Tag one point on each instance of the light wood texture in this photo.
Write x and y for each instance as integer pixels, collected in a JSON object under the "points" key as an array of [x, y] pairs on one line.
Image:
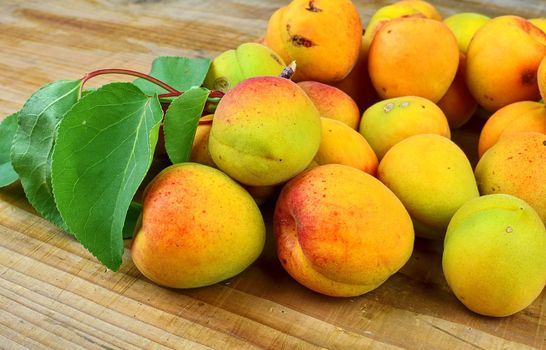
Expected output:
{"points": [[55, 295]]}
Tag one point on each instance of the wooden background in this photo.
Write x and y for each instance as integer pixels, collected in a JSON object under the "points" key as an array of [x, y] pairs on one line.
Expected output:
{"points": [[54, 294]]}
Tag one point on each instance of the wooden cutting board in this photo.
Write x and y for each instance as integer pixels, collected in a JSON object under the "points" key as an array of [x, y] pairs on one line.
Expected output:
{"points": [[54, 294]]}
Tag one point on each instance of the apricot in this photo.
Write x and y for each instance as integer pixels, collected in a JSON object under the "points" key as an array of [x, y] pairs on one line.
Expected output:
{"points": [[493, 257], [332, 103], [432, 177], [340, 144], [458, 104], [198, 227], [388, 122], [512, 118], [464, 25], [413, 56], [248, 60], [200, 148], [265, 131], [323, 37], [426, 8], [515, 165], [502, 62], [341, 232]]}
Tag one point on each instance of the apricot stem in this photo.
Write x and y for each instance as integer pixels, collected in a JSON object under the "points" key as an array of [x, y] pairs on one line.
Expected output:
{"points": [[123, 71], [212, 94], [212, 100], [289, 70]]}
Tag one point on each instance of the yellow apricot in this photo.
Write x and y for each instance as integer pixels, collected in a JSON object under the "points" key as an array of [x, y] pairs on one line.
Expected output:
{"points": [[339, 144], [493, 256], [432, 177], [390, 121], [332, 103]]}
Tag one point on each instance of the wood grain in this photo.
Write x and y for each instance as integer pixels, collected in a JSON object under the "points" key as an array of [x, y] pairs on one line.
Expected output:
{"points": [[55, 295]]}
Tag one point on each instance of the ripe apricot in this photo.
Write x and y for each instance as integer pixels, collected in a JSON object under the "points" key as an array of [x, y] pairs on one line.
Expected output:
{"points": [[388, 122], [265, 131], [248, 60], [340, 144], [332, 103], [413, 56], [432, 177], [502, 62], [493, 256], [198, 227], [323, 37], [516, 165], [512, 118], [340, 231]]}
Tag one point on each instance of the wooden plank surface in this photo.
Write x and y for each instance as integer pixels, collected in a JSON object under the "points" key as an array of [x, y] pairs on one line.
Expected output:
{"points": [[54, 294]]}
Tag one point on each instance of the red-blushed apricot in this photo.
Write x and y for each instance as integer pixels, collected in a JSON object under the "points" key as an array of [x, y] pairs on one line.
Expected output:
{"points": [[265, 131], [198, 227], [340, 231]]}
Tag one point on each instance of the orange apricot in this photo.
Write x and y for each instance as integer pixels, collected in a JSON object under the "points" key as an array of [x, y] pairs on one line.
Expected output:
{"points": [[413, 56], [515, 117]]}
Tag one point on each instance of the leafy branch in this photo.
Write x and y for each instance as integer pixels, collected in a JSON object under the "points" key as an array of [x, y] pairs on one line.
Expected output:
{"points": [[82, 154]]}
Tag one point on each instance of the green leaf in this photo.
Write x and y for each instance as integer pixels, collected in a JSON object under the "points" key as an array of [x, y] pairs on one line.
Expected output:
{"points": [[8, 128], [88, 91], [34, 140], [131, 220], [181, 121], [104, 148], [180, 73]]}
